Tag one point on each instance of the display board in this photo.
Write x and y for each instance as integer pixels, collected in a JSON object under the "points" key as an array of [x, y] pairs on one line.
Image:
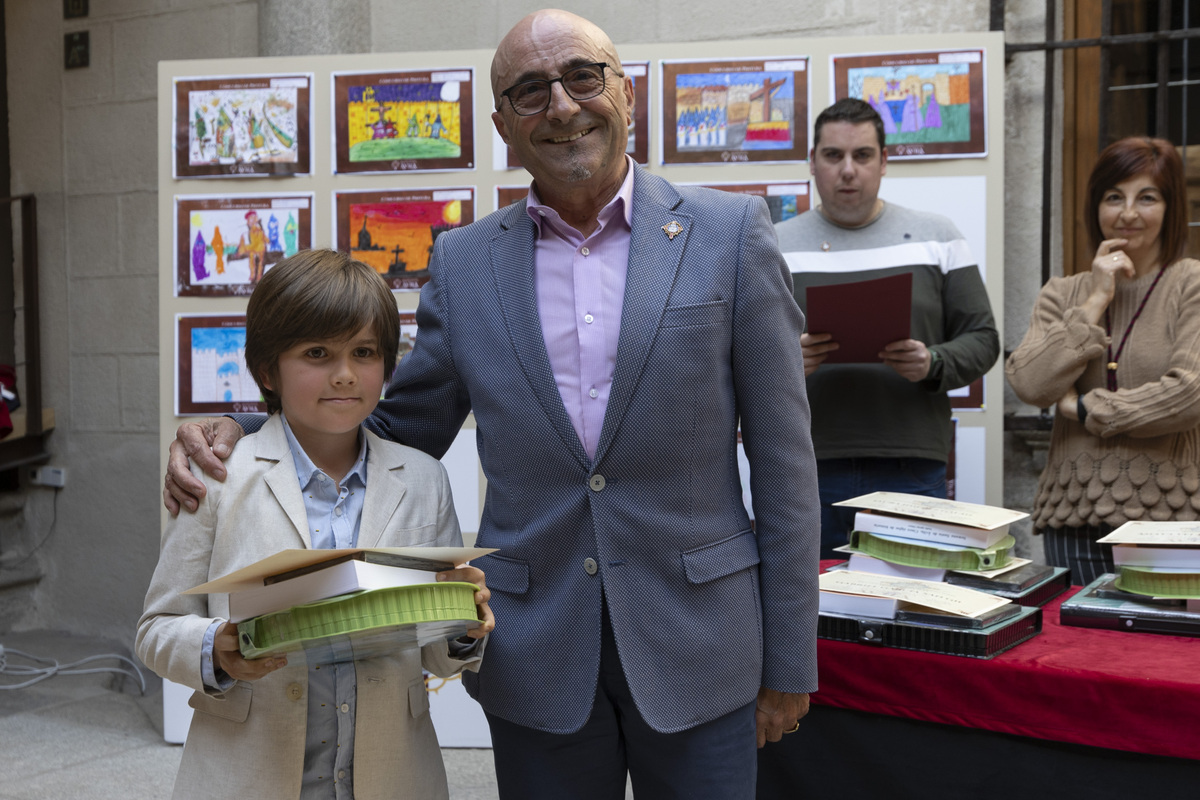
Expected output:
{"points": [[380, 153]]}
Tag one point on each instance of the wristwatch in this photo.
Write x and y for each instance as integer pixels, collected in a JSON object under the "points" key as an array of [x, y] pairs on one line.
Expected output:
{"points": [[935, 365]]}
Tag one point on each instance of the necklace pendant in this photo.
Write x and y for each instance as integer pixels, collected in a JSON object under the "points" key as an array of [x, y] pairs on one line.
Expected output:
{"points": [[1112, 366]]}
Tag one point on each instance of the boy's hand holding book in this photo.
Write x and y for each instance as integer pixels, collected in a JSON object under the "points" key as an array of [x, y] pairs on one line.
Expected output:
{"points": [[227, 657], [468, 574]]}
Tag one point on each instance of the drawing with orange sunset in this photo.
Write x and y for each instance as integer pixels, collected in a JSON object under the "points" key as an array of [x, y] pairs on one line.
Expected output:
{"points": [[396, 238]]}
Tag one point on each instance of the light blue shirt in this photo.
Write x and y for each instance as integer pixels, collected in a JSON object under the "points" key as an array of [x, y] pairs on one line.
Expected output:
{"points": [[334, 512]]}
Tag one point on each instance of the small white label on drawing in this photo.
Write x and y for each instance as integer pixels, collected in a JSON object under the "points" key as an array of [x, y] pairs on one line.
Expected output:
{"points": [[452, 194], [969, 57]]}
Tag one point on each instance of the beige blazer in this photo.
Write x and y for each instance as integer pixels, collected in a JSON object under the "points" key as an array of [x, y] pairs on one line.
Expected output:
{"points": [[249, 741]]}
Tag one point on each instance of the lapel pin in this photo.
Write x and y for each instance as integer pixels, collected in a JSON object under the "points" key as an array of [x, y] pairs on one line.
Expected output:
{"points": [[672, 229]]}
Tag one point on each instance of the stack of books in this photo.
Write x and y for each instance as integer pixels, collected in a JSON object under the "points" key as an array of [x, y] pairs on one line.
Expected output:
{"points": [[919, 531], [1159, 559], [1156, 586], [916, 614], [933, 539], [347, 604]]}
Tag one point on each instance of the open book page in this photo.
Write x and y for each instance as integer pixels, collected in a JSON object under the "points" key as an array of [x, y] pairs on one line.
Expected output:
{"points": [[1145, 532], [289, 560], [939, 596], [936, 508]]}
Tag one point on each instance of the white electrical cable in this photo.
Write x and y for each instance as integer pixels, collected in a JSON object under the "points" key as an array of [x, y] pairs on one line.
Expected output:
{"points": [[54, 668]]}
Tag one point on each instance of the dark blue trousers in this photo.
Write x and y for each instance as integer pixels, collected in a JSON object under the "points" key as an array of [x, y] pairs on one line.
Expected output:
{"points": [[716, 760], [843, 478]]}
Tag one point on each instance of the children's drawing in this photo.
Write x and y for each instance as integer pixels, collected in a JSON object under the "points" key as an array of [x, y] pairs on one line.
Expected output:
{"points": [[408, 335], [242, 125], [404, 121], [224, 245], [394, 231], [211, 374], [931, 104], [784, 199], [734, 111]]}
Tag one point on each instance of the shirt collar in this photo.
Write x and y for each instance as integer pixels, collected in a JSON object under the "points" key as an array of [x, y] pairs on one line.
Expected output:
{"points": [[306, 470], [621, 204]]}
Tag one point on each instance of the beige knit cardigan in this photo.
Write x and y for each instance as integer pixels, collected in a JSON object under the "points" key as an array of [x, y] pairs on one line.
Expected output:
{"points": [[1138, 455]]}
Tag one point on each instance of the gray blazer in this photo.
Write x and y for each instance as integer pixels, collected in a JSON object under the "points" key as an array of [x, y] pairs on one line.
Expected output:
{"points": [[249, 741], [704, 609]]}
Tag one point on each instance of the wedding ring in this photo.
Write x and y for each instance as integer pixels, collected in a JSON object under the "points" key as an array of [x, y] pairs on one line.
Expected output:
{"points": [[794, 729]]}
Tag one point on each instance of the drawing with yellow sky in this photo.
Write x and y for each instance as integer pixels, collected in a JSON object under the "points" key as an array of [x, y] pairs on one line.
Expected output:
{"points": [[404, 121]]}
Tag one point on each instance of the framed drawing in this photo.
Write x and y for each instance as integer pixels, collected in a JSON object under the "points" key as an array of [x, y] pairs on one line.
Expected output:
{"points": [[405, 121], [210, 366], [225, 243], [243, 126], [969, 397], [507, 195], [638, 144], [393, 230], [734, 111], [784, 199], [933, 104], [408, 335]]}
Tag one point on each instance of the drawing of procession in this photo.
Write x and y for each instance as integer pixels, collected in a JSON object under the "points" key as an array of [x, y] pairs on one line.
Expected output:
{"points": [[242, 126]]}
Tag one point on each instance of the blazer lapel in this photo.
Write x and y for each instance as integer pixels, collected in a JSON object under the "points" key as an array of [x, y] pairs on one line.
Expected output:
{"points": [[513, 268], [654, 259], [281, 478], [385, 490]]}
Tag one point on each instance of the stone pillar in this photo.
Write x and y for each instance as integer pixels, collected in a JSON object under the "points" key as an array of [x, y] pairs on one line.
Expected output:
{"points": [[313, 27]]}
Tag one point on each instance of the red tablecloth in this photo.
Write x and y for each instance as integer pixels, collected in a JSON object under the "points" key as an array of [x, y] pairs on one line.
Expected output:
{"points": [[1127, 691]]}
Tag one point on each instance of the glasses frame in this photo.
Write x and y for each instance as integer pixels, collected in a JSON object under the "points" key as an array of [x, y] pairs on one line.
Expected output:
{"points": [[603, 65]]}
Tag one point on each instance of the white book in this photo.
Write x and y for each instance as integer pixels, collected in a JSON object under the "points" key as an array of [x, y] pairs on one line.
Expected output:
{"points": [[861, 562], [1177, 558], [1156, 533], [858, 605], [939, 596], [926, 530], [337, 579]]}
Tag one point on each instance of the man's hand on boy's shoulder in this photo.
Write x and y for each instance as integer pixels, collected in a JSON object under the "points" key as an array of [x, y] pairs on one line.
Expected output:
{"points": [[208, 442], [468, 574]]}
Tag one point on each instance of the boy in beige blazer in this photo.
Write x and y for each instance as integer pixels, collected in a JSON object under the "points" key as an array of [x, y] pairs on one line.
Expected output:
{"points": [[322, 336]]}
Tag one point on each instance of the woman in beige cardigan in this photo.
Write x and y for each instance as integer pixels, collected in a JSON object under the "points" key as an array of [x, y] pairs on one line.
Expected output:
{"points": [[1116, 351]]}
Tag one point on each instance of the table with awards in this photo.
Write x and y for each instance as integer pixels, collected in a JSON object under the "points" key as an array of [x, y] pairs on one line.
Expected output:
{"points": [[1071, 712]]}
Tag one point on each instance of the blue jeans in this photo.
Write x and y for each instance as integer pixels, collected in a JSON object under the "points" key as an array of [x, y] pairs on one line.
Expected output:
{"points": [[843, 478]]}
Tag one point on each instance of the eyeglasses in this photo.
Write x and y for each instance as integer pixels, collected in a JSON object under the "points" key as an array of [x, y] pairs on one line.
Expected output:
{"points": [[533, 97]]}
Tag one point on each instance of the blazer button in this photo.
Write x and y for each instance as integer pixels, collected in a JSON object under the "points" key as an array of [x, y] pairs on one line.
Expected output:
{"points": [[589, 566], [294, 691], [596, 482]]}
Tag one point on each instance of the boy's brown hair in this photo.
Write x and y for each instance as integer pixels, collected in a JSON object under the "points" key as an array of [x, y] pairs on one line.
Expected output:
{"points": [[316, 294]]}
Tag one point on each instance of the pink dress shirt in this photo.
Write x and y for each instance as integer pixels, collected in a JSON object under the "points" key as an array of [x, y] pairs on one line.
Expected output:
{"points": [[580, 286]]}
